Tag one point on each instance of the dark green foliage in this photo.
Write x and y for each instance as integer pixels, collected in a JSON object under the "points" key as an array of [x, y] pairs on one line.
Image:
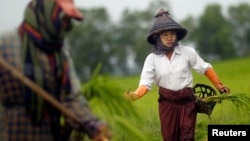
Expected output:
{"points": [[215, 35], [212, 36], [239, 19]]}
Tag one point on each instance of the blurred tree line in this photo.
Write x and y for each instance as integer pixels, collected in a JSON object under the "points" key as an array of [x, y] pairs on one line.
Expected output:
{"points": [[121, 46]]}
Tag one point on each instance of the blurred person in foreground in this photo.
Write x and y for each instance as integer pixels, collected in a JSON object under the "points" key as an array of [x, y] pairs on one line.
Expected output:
{"points": [[37, 51], [169, 67]]}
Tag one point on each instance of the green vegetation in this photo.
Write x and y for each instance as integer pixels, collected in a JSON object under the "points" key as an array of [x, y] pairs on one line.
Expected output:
{"points": [[233, 73]]}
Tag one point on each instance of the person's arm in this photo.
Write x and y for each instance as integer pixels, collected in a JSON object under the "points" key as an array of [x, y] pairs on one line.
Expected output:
{"points": [[90, 124], [212, 76], [77, 103], [146, 80]]}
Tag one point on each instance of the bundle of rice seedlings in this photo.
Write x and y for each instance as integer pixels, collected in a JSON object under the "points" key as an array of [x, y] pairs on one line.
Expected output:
{"points": [[241, 101]]}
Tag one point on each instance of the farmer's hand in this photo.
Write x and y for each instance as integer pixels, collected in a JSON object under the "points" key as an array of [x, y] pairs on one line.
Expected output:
{"points": [[104, 133], [138, 93], [130, 96], [224, 90]]}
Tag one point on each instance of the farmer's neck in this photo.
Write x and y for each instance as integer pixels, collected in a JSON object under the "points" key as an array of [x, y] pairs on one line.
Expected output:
{"points": [[169, 54]]}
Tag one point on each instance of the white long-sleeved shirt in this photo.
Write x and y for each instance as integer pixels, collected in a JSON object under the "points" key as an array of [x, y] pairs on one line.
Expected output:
{"points": [[174, 74]]}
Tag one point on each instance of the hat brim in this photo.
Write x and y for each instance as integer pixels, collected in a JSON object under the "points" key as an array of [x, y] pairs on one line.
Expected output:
{"points": [[69, 8], [181, 33]]}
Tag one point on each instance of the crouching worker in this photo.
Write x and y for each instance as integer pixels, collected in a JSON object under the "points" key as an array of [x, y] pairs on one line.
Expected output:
{"points": [[36, 50]]}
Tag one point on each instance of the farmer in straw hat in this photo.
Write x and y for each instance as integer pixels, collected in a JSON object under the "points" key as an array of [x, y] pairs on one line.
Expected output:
{"points": [[37, 51], [169, 67]]}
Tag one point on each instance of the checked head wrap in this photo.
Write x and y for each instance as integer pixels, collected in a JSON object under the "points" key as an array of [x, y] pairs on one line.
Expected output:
{"points": [[42, 32]]}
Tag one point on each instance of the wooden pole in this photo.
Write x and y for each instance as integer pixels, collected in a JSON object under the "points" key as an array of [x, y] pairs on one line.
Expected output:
{"points": [[40, 92]]}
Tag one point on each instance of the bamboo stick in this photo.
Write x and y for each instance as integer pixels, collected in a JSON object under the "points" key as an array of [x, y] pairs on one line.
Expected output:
{"points": [[40, 92]]}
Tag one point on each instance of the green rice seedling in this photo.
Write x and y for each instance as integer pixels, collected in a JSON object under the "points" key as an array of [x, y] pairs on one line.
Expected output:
{"points": [[107, 101], [240, 100], [230, 108]]}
